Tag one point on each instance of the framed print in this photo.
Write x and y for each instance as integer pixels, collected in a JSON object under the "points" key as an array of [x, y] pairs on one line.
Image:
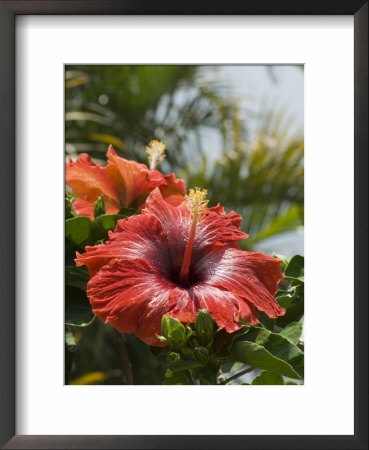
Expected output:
{"points": [[134, 312], [197, 338]]}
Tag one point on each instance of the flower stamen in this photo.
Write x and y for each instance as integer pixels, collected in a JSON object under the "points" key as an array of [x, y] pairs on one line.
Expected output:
{"points": [[156, 153], [196, 202]]}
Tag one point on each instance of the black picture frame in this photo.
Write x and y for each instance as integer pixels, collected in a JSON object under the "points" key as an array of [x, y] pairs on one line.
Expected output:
{"points": [[8, 11]]}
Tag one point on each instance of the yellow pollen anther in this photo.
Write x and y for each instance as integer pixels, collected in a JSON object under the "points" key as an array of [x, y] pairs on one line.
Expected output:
{"points": [[156, 153], [196, 201]]}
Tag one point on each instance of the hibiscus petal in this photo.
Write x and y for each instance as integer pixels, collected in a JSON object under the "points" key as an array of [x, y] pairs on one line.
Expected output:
{"points": [[224, 306], [89, 181], [122, 292], [131, 177], [175, 224], [266, 268], [83, 208], [137, 236], [173, 301], [173, 190], [219, 228], [133, 296], [252, 277], [233, 217], [156, 179]]}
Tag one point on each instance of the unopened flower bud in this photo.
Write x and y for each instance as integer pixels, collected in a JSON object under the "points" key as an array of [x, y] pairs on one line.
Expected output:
{"points": [[99, 207], [204, 326], [201, 355], [174, 331]]}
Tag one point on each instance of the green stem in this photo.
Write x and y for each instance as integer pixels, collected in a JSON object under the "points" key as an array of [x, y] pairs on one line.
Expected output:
{"points": [[125, 360]]}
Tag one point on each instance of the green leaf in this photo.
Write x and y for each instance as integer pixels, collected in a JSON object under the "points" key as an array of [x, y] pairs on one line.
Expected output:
{"points": [[266, 377], [266, 321], [284, 260], [295, 268], [258, 335], [282, 348], [183, 377], [292, 332], [174, 356], [279, 346], [99, 207], [69, 199], [178, 366], [223, 341], [74, 276], [126, 212], [82, 231], [292, 301], [104, 223], [207, 376], [285, 297], [258, 356], [236, 366], [78, 310], [189, 334], [78, 229]]}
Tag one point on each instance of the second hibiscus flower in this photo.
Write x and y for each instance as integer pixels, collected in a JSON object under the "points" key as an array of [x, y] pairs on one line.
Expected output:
{"points": [[122, 183]]}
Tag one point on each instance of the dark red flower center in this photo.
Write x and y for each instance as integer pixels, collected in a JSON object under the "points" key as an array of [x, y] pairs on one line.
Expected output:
{"points": [[193, 276]]}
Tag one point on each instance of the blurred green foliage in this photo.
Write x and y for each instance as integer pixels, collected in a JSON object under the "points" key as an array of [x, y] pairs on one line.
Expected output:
{"points": [[127, 106], [260, 176]]}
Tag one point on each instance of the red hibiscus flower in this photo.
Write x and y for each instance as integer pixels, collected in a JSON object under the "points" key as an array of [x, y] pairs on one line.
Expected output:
{"points": [[174, 261], [121, 182]]}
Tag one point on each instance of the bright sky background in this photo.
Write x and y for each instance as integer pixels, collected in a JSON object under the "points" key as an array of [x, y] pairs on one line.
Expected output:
{"points": [[260, 88], [268, 86]]}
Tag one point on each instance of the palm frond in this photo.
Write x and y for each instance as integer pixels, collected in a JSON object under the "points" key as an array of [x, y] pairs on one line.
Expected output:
{"points": [[262, 178]]}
